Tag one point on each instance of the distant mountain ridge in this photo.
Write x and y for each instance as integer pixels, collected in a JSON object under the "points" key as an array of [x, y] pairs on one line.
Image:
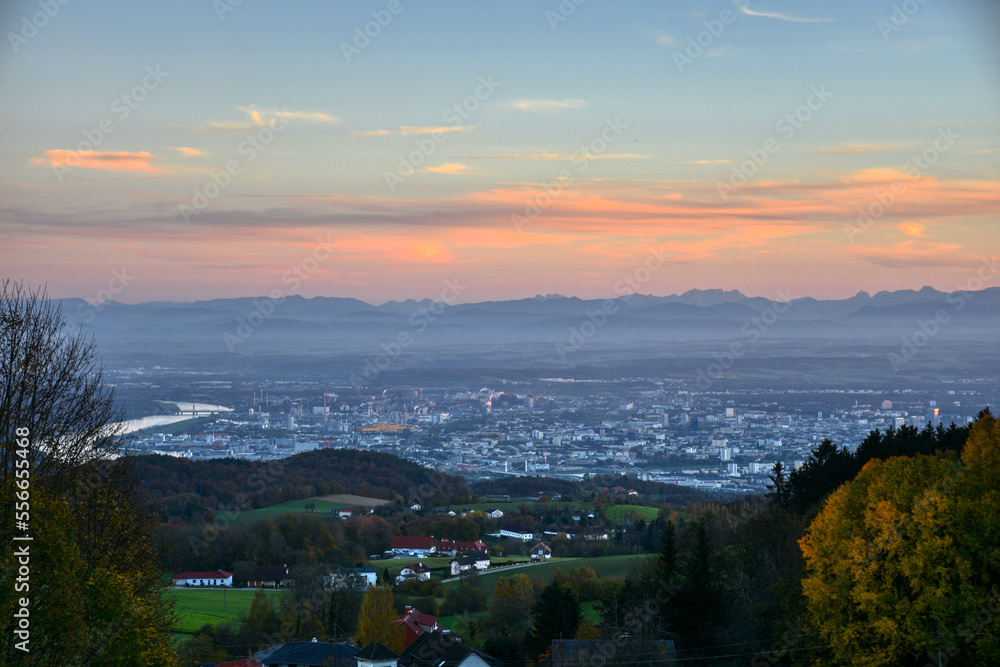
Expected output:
{"points": [[338, 325]]}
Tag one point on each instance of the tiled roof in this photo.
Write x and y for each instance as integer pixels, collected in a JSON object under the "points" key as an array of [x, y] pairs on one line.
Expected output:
{"points": [[215, 574]]}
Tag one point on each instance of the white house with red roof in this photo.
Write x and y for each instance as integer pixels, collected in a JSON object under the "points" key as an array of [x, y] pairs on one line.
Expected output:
{"points": [[541, 551], [213, 578], [414, 572], [414, 545]]}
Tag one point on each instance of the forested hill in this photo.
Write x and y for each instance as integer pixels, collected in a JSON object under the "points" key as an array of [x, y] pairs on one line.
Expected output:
{"points": [[184, 488]]}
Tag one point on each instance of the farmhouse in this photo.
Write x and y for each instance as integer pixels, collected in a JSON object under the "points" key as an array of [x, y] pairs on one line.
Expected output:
{"points": [[270, 576], [518, 533], [414, 572], [376, 654], [351, 577], [541, 551], [442, 650], [455, 548], [414, 545], [213, 578], [310, 654], [477, 561]]}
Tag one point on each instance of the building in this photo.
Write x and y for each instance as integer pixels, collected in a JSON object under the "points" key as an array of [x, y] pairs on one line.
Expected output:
{"points": [[455, 548], [357, 577], [348, 512], [416, 624], [541, 551], [312, 654], [495, 514], [414, 572], [376, 655], [517, 533], [436, 649], [414, 545], [477, 561], [213, 578], [270, 576]]}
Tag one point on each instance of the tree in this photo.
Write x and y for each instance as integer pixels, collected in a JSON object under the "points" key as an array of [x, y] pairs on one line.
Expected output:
{"points": [[698, 605], [262, 621], [94, 591], [510, 603], [556, 616], [345, 607], [378, 620], [778, 483], [903, 562]]}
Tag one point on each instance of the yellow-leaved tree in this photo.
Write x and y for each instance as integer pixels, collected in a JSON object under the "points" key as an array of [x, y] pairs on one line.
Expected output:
{"points": [[903, 562], [378, 620]]}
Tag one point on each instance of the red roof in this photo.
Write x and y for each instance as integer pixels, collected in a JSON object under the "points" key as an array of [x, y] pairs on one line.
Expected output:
{"points": [[542, 545], [416, 623], [215, 574], [448, 545], [412, 542]]}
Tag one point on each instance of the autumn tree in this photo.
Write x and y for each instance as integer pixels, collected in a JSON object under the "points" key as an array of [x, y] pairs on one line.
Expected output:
{"points": [[904, 561], [262, 621], [510, 605], [94, 590], [378, 620], [557, 616]]}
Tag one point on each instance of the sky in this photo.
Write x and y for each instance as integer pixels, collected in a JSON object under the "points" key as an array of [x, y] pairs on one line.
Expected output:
{"points": [[385, 150]]}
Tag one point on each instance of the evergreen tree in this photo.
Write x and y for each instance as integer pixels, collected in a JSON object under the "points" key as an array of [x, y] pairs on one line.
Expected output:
{"points": [[557, 616], [699, 608]]}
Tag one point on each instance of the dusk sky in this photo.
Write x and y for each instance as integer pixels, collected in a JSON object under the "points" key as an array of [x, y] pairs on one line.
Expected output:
{"points": [[520, 148]]}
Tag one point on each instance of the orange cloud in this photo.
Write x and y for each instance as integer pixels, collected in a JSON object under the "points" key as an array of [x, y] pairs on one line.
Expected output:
{"points": [[105, 161], [407, 130], [187, 152], [859, 148], [449, 168], [913, 229]]}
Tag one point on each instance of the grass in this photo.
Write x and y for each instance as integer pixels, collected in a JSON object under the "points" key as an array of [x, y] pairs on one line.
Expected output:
{"points": [[322, 508], [619, 513], [604, 566], [195, 608], [188, 425]]}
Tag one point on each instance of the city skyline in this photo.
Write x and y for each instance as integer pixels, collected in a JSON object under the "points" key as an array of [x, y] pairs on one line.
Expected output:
{"points": [[381, 149]]}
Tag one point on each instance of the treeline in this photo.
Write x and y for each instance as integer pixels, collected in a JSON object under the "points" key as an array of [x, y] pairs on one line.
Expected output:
{"points": [[884, 556], [592, 487], [184, 489]]}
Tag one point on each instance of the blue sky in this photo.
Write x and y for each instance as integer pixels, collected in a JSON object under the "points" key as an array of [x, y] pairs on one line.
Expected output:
{"points": [[547, 155]]}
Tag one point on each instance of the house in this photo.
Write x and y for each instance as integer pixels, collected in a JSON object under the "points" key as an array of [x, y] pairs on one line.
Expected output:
{"points": [[551, 495], [622, 491], [414, 572], [416, 624], [455, 548], [495, 514], [541, 551], [351, 577], [416, 507], [243, 662], [270, 576], [518, 533], [414, 545], [348, 512], [213, 578], [477, 561], [376, 655], [436, 649], [312, 654]]}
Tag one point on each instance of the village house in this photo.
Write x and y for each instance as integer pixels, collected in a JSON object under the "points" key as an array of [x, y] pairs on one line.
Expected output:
{"points": [[414, 545], [414, 572], [476, 561], [213, 578], [270, 576]]}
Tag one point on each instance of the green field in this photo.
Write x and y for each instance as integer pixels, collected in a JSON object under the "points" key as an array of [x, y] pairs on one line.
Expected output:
{"points": [[604, 566], [195, 608], [272, 512], [439, 565], [619, 513]]}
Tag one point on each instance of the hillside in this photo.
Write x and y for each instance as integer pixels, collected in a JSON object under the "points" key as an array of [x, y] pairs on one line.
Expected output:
{"points": [[184, 488]]}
